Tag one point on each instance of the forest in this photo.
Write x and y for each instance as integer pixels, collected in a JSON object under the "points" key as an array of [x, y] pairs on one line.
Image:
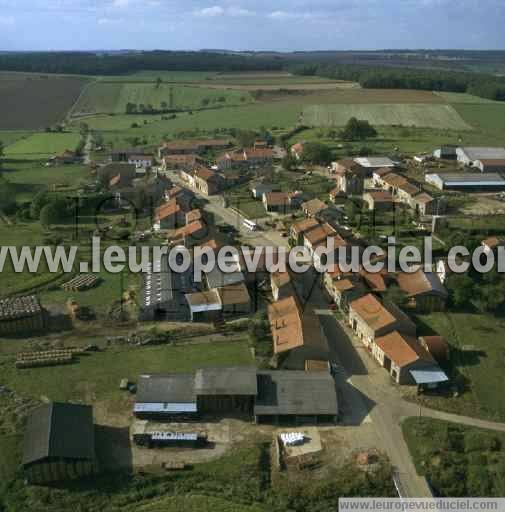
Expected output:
{"points": [[483, 85]]}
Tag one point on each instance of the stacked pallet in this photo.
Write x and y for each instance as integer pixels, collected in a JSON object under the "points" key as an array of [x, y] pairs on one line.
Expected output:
{"points": [[80, 283], [46, 358]]}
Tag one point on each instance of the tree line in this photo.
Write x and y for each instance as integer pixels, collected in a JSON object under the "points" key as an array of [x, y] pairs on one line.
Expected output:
{"points": [[482, 85], [89, 63]]}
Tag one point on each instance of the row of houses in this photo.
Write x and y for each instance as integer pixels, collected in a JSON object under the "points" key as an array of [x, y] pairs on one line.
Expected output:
{"points": [[389, 336]]}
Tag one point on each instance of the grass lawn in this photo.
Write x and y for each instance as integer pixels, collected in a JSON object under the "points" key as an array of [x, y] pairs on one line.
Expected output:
{"points": [[96, 376], [477, 354], [196, 503], [457, 460], [42, 145], [9, 137], [10, 450], [37, 175]]}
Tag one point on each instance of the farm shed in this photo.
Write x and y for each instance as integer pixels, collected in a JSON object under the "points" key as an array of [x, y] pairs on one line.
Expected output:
{"points": [[216, 278], [21, 315], [204, 306], [469, 155], [59, 443], [226, 390], [295, 397], [377, 162], [170, 397], [162, 293], [466, 181], [235, 299]]}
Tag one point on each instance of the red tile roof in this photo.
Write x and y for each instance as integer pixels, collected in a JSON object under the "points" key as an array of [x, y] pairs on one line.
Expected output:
{"points": [[402, 350]]}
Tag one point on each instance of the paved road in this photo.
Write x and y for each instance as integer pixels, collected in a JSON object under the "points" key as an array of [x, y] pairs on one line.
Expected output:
{"points": [[233, 218], [365, 393]]}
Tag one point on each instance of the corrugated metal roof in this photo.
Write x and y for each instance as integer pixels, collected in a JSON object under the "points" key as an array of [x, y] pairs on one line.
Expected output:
{"points": [[432, 375], [165, 407], [59, 430]]}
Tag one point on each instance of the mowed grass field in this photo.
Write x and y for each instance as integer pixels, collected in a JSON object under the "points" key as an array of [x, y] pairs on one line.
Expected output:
{"points": [[478, 355], [99, 374], [415, 115], [40, 146], [30, 102], [113, 97]]}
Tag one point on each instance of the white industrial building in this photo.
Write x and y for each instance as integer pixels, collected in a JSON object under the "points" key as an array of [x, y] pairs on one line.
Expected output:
{"points": [[470, 155], [466, 181]]}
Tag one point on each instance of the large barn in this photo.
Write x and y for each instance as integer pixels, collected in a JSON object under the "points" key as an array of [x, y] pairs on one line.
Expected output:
{"points": [[270, 397], [59, 443]]}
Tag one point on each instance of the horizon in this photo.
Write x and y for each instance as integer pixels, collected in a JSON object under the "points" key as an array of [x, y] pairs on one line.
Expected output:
{"points": [[287, 26]]}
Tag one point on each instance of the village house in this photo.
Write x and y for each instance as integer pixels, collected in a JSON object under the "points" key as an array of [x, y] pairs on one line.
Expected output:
{"points": [[343, 287], [378, 176], [126, 172], [334, 194], [259, 156], [21, 316], [406, 192], [424, 204], [349, 177], [66, 158], [424, 290], [168, 216], [194, 215], [59, 443], [281, 202], [393, 181], [314, 237], [298, 229], [381, 200], [258, 189], [297, 150], [206, 181], [313, 207], [188, 147], [178, 162], [399, 354], [370, 318], [191, 234], [141, 161], [281, 285], [492, 243], [185, 198], [297, 334]]}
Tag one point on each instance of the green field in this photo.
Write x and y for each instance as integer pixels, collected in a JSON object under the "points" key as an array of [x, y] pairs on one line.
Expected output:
{"points": [[438, 116], [486, 118], [112, 97], [42, 145], [98, 374], [457, 460], [166, 76], [196, 504], [458, 97], [477, 356]]}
